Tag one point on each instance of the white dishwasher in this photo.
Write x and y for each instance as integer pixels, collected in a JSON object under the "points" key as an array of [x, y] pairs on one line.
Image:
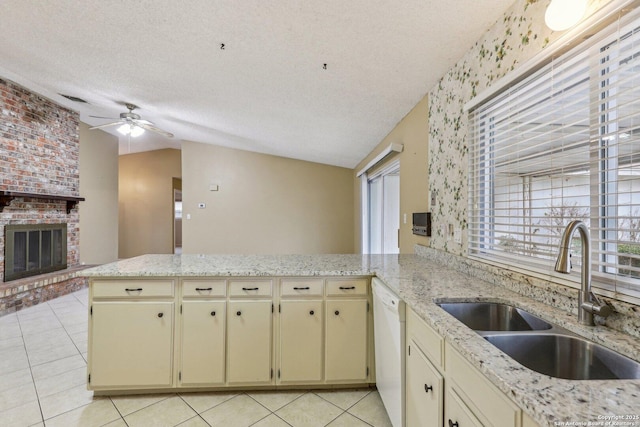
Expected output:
{"points": [[389, 336]]}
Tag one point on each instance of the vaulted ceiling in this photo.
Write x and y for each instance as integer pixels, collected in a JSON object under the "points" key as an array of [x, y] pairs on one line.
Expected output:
{"points": [[323, 81]]}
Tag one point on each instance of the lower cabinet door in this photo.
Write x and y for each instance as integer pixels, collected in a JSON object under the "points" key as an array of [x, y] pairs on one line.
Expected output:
{"points": [[300, 341], [456, 413], [203, 343], [425, 390], [249, 338], [131, 344], [346, 340]]}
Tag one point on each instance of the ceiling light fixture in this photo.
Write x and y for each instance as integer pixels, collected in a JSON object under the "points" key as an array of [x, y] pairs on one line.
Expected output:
{"points": [[564, 14], [129, 129]]}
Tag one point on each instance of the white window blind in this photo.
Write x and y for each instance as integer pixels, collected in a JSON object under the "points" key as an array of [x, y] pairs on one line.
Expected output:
{"points": [[563, 144]]}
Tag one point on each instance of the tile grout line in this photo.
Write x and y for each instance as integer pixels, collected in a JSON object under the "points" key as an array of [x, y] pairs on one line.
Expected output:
{"points": [[270, 411], [33, 381]]}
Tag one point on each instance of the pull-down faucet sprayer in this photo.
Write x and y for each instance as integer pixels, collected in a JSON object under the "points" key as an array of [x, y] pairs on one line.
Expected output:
{"points": [[588, 304]]}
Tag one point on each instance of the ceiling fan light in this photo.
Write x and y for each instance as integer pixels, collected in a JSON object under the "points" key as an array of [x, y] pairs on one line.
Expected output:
{"points": [[136, 131], [125, 129], [564, 14]]}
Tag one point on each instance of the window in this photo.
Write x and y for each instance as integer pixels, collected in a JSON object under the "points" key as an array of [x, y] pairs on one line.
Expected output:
{"points": [[563, 144]]}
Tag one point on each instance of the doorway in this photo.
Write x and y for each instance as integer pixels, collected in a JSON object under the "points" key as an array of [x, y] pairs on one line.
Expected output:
{"points": [[177, 215], [383, 211]]}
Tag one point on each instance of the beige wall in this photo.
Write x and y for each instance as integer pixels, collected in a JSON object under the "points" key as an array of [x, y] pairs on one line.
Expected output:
{"points": [[146, 202], [265, 204], [413, 133], [99, 186]]}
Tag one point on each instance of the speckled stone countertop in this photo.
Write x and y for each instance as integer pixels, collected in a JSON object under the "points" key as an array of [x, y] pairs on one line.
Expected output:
{"points": [[422, 283]]}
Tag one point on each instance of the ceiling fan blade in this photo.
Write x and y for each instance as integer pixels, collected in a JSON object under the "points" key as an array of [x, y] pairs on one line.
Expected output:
{"points": [[106, 125], [152, 128], [101, 117]]}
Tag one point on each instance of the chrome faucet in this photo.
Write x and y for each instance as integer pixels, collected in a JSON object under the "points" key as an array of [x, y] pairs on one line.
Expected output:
{"points": [[588, 304]]}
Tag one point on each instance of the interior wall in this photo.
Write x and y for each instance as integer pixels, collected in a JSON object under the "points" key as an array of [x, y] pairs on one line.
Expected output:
{"points": [[99, 186], [263, 204], [413, 132], [145, 202]]}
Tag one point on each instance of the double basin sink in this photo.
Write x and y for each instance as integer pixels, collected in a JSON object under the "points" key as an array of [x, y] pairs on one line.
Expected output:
{"points": [[542, 346]]}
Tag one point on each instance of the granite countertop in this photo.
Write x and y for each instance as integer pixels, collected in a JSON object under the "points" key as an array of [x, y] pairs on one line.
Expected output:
{"points": [[421, 283]]}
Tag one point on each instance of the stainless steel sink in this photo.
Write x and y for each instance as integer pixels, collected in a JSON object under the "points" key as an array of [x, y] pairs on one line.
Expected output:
{"points": [[565, 356], [489, 316]]}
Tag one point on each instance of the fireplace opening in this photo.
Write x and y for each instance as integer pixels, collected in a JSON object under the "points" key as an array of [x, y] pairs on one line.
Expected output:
{"points": [[34, 249]]}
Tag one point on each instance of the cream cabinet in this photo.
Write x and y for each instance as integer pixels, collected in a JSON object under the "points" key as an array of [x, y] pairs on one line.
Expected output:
{"points": [[202, 332], [487, 403], [457, 413], [301, 331], [250, 333], [425, 386], [131, 335], [424, 381], [213, 333], [346, 355], [443, 388]]}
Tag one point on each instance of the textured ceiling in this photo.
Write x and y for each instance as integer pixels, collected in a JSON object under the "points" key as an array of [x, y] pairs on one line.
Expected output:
{"points": [[267, 90]]}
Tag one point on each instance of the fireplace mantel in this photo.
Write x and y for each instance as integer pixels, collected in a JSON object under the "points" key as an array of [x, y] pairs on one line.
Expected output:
{"points": [[7, 196]]}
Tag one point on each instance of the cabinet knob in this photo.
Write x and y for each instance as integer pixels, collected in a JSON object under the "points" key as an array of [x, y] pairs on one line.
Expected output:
{"points": [[452, 424], [238, 313], [311, 312], [337, 312], [428, 388], [160, 314], [213, 313]]}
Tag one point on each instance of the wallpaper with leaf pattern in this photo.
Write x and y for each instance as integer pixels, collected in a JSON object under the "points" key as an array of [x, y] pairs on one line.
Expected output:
{"points": [[514, 39]]}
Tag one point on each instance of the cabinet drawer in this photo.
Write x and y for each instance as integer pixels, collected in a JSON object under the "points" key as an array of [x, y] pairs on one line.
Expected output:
{"points": [[457, 413], [204, 288], [132, 288], [488, 403], [429, 341], [301, 287], [250, 288], [341, 287]]}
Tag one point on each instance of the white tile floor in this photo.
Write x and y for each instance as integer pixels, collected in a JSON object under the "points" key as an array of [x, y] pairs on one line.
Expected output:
{"points": [[43, 353]]}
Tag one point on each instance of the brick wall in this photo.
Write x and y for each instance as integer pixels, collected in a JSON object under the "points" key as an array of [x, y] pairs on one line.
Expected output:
{"points": [[39, 153]]}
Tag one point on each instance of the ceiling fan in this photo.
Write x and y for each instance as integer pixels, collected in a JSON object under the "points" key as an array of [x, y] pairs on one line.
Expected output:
{"points": [[131, 124]]}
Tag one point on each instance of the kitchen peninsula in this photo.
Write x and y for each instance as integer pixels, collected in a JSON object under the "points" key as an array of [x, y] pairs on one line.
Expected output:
{"points": [[169, 289]]}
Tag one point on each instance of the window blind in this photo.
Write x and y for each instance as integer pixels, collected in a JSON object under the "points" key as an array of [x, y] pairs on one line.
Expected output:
{"points": [[563, 144]]}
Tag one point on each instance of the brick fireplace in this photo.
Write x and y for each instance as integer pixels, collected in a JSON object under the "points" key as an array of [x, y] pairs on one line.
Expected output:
{"points": [[39, 166]]}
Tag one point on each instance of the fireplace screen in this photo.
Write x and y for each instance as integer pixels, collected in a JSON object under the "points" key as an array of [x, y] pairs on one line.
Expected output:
{"points": [[34, 249]]}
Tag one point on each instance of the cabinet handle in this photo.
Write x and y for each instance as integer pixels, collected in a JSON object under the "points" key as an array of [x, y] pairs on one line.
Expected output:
{"points": [[452, 424], [160, 314], [204, 289], [213, 313], [337, 312], [250, 289], [428, 388], [306, 288], [346, 288], [311, 312], [133, 289], [238, 313]]}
